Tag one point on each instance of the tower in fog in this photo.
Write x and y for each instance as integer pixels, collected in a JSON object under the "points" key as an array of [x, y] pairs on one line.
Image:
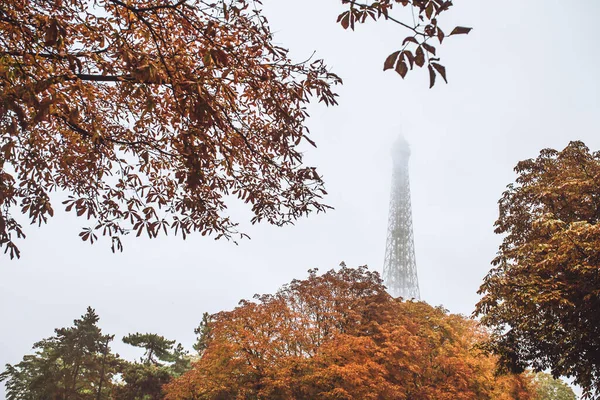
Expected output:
{"points": [[399, 267]]}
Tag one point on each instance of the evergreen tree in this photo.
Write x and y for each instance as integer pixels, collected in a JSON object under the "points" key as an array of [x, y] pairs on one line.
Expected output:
{"points": [[157, 347], [162, 360], [203, 331], [75, 363]]}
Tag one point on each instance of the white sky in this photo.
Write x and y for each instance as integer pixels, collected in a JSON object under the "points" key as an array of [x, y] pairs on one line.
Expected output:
{"points": [[524, 79]]}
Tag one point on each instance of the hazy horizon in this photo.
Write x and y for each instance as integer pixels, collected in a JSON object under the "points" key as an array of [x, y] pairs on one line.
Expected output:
{"points": [[523, 80]]}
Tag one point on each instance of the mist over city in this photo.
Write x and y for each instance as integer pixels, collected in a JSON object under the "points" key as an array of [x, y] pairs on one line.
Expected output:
{"points": [[315, 200]]}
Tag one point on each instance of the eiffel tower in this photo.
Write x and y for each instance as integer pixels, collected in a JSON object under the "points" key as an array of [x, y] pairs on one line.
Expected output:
{"points": [[399, 267]]}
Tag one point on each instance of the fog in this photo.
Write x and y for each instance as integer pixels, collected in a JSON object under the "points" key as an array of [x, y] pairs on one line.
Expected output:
{"points": [[524, 79]]}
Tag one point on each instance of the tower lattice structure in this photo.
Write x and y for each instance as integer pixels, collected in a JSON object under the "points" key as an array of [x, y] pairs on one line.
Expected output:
{"points": [[400, 268]]}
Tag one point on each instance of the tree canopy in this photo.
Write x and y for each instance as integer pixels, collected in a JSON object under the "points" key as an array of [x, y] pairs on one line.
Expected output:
{"points": [[157, 347], [543, 295], [162, 361], [333, 336], [77, 363], [548, 388], [341, 336], [150, 114]]}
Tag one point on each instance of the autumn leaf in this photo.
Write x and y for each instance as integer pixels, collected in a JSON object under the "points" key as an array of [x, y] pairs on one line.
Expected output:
{"points": [[420, 57], [340, 335], [424, 25], [429, 48], [545, 277], [431, 76], [402, 68], [441, 70], [390, 61], [150, 123], [460, 30]]}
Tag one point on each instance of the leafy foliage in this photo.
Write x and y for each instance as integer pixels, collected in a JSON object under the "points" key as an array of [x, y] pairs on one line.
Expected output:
{"points": [[417, 48], [142, 382], [548, 388], [148, 114], [543, 295], [155, 346], [75, 363], [341, 336], [162, 361]]}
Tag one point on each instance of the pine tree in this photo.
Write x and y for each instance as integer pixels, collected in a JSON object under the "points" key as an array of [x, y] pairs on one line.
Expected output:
{"points": [[162, 360], [75, 363]]}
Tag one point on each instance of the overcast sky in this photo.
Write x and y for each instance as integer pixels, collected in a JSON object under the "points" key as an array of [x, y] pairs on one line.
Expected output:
{"points": [[526, 78]]}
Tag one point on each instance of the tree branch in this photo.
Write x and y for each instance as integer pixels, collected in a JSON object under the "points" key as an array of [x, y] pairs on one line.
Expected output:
{"points": [[153, 8], [412, 28]]}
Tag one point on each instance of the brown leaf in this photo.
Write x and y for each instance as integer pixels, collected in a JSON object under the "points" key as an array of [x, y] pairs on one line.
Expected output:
{"points": [[441, 70], [429, 48], [431, 76], [345, 19], [51, 33], [390, 61], [440, 35], [402, 68], [409, 56], [459, 30], [429, 10], [411, 39], [420, 57]]}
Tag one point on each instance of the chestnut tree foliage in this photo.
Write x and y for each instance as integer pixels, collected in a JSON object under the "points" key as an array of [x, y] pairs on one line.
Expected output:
{"points": [[543, 294], [417, 48], [148, 114], [341, 336]]}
